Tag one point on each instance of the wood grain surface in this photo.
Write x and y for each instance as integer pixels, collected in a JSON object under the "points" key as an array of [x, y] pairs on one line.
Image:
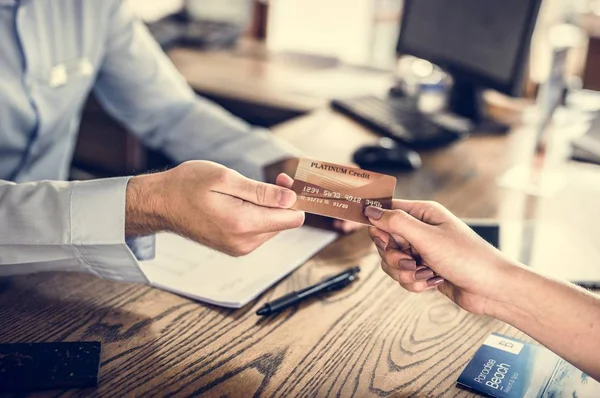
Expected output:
{"points": [[287, 82], [372, 339]]}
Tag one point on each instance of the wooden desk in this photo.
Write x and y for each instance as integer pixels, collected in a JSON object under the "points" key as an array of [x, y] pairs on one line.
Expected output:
{"points": [[246, 74], [265, 88], [372, 339]]}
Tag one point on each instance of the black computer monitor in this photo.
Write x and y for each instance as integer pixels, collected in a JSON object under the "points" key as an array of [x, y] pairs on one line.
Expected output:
{"points": [[480, 43]]}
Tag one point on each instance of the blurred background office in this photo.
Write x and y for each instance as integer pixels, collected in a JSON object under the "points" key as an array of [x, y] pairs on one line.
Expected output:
{"points": [[270, 61]]}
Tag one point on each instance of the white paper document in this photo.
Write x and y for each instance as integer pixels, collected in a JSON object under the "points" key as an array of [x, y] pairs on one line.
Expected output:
{"points": [[198, 272]]}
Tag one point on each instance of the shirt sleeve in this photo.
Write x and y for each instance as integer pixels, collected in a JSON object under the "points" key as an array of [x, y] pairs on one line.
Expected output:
{"points": [[66, 226], [140, 87]]}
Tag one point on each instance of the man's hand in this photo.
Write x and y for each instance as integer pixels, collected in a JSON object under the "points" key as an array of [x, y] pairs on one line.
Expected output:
{"points": [[212, 205], [287, 167], [423, 246]]}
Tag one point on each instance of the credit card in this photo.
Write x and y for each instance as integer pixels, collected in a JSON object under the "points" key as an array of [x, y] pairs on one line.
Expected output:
{"points": [[339, 191]]}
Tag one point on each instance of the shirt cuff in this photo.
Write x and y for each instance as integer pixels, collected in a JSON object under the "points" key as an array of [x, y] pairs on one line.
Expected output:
{"points": [[98, 229], [143, 247]]}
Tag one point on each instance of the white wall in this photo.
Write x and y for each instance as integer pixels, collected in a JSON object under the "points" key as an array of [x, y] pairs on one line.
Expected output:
{"points": [[339, 28]]}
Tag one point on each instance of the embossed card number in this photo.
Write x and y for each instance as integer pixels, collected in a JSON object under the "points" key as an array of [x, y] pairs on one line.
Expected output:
{"points": [[340, 192]]}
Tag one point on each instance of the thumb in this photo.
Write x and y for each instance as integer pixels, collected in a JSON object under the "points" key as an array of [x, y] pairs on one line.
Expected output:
{"points": [[397, 222], [263, 194]]}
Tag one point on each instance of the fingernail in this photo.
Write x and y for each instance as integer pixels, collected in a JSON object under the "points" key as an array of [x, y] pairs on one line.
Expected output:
{"points": [[373, 212], [286, 198], [423, 274], [435, 281], [379, 243], [408, 265], [348, 227]]}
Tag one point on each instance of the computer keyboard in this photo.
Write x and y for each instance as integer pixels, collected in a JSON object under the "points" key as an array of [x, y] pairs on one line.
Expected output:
{"points": [[397, 118]]}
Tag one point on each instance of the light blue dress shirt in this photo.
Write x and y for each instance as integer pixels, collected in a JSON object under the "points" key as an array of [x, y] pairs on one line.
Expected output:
{"points": [[52, 54]]}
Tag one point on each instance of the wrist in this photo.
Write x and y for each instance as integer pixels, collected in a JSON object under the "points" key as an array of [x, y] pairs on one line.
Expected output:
{"points": [[144, 205], [513, 283]]}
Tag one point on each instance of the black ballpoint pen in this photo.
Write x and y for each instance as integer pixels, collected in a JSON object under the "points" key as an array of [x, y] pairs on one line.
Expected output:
{"points": [[332, 283]]}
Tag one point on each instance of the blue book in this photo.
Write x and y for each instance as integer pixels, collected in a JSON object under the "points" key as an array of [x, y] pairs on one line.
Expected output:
{"points": [[508, 368]]}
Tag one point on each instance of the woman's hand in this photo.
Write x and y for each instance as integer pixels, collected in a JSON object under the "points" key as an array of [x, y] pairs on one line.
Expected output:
{"points": [[424, 246]]}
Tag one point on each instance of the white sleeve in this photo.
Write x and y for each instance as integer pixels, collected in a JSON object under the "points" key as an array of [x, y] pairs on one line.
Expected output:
{"points": [[66, 226], [139, 86]]}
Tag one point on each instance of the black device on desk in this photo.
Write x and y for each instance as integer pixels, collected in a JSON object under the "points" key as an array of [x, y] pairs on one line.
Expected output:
{"points": [[387, 155], [481, 44], [398, 119], [48, 366], [181, 30]]}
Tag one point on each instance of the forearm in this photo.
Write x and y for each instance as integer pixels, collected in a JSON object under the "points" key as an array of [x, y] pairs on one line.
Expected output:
{"points": [[200, 135], [139, 86], [561, 316]]}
